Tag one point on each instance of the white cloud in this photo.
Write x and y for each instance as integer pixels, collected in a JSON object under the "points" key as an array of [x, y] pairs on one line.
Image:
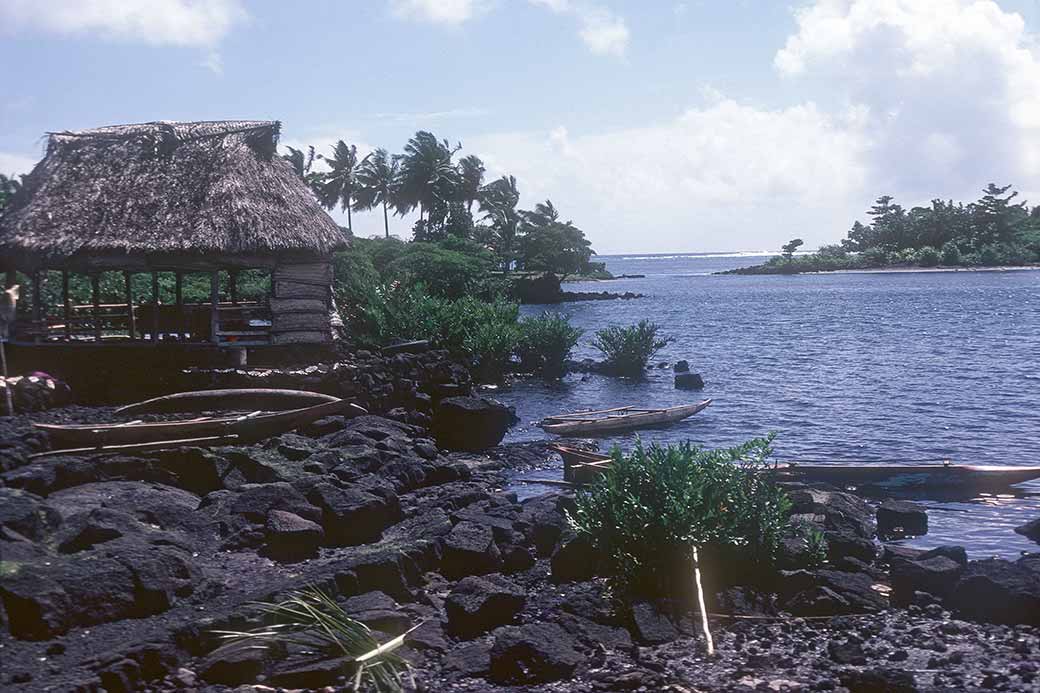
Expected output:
{"points": [[437, 11], [14, 164], [159, 22], [936, 99], [703, 180], [952, 88], [601, 30]]}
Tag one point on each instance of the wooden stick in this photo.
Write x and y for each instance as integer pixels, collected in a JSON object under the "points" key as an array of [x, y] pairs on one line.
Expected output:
{"points": [[700, 600], [7, 386], [209, 440]]}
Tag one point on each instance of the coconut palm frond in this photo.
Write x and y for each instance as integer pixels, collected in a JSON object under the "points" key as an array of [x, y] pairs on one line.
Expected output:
{"points": [[313, 620]]}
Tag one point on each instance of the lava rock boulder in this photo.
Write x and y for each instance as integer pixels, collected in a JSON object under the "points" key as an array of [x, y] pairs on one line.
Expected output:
{"points": [[470, 424]]}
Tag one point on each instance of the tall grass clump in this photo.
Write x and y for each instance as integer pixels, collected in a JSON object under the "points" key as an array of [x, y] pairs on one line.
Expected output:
{"points": [[545, 343], [655, 508], [313, 621], [629, 349]]}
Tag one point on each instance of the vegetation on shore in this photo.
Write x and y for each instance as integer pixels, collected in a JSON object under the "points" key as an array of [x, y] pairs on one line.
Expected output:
{"points": [[628, 350], [993, 231], [652, 507]]}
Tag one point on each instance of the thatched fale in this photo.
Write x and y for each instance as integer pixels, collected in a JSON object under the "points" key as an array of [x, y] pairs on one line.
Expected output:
{"points": [[139, 196]]}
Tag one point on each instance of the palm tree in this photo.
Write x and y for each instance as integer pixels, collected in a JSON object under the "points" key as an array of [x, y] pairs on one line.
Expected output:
{"points": [[427, 174], [471, 174], [543, 214], [9, 185], [338, 185], [302, 163], [498, 200], [377, 183]]}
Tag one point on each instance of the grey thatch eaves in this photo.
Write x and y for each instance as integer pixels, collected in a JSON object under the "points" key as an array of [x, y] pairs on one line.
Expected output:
{"points": [[210, 190]]}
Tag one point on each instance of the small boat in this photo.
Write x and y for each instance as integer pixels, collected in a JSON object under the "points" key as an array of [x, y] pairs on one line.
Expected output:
{"points": [[618, 419], [944, 476], [237, 399], [246, 428], [583, 466]]}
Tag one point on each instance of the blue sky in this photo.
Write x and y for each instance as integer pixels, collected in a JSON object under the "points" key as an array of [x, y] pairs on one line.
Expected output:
{"points": [[655, 126]]}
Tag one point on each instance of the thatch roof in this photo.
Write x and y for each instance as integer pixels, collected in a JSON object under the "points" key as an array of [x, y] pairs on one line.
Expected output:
{"points": [[155, 191]]}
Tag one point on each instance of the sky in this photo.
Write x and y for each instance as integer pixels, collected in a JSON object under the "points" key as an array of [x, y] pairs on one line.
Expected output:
{"points": [[654, 125]]}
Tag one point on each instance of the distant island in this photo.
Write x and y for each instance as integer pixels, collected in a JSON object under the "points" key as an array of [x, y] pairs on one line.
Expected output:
{"points": [[991, 232]]}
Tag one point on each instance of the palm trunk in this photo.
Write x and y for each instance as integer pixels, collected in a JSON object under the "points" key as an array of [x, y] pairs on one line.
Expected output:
{"points": [[350, 225], [386, 221]]}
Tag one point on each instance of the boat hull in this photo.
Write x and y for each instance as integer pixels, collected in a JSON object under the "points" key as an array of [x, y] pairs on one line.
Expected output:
{"points": [[622, 422], [235, 399], [246, 428], [900, 477]]}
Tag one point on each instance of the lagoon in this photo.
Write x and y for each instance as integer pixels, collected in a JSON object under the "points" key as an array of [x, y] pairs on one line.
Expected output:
{"points": [[884, 366]]}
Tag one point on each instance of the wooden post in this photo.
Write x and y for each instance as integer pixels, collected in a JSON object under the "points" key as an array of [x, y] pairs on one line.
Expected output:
{"points": [[36, 312], [131, 323], [179, 298], [66, 305], [155, 301], [95, 297], [214, 310], [233, 286]]}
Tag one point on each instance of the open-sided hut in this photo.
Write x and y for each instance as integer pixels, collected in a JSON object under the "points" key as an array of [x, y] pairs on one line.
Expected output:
{"points": [[170, 201]]}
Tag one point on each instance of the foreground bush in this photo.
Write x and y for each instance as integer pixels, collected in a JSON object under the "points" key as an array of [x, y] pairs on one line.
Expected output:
{"points": [[546, 342], [653, 506], [629, 349]]}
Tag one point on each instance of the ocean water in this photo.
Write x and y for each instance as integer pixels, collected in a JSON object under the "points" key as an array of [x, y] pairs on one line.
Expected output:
{"points": [[896, 366]]}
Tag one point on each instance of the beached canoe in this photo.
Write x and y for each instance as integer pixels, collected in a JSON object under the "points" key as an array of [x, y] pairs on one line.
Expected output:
{"points": [[910, 476], [236, 399], [583, 466], [247, 428], [618, 419]]}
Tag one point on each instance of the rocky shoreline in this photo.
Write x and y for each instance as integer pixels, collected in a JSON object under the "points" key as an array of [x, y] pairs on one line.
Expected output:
{"points": [[117, 570]]}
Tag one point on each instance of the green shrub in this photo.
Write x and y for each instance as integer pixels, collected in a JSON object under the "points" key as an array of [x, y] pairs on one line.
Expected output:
{"points": [[989, 256], [951, 254], [927, 256], [650, 507], [443, 272], [629, 349], [874, 257], [546, 342], [485, 332]]}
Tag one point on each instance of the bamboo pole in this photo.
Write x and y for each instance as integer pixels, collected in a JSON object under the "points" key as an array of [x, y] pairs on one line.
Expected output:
{"points": [[182, 329], [131, 325], [66, 305], [95, 295], [155, 306], [700, 600], [214, 310], [36, 312]]}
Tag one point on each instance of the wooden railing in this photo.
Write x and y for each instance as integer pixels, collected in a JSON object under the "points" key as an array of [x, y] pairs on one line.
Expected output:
{"points": [[243, 324]]}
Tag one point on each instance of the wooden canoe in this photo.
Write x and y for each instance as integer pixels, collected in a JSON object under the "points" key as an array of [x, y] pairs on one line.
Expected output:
{"points": [[247, 428], [910, 476], [583, 466], [237, 399], [619, 419]]}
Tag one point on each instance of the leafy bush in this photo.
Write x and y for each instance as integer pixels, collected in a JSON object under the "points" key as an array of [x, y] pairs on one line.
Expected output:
{"points": [[874, 257], [951, 254], [485, 332], [443, 272], [629, 349], [546, 342], [651, 507], [927, 256], [989, 255]]}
